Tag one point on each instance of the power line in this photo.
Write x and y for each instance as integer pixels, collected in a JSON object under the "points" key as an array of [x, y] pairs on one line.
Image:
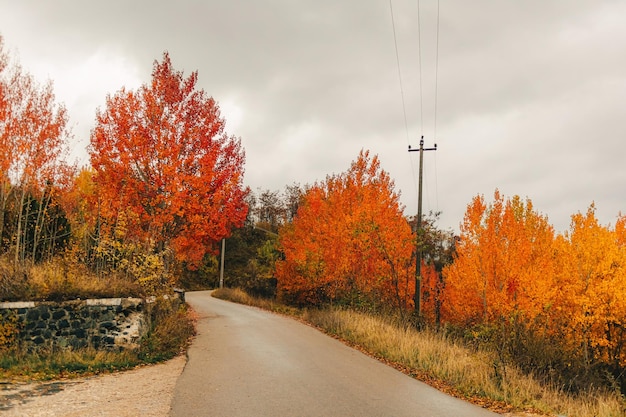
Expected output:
{"points": [[436, 139], [418, 228], [419, 53], [436, 72], [421, 94], [395, 43], [406, 124], [436, 102]]}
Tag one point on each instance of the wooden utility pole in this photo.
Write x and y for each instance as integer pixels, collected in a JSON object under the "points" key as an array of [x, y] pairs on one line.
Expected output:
{"points": [[222, 263], [417, 297]]}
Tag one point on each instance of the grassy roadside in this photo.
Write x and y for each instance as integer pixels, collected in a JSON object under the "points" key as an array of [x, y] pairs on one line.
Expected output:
{"points": [[172, 328], [446, 364]]}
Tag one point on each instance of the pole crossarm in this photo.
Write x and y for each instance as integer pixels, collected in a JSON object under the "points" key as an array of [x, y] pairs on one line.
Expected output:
{"points": [[417, 297], [425, 149]]}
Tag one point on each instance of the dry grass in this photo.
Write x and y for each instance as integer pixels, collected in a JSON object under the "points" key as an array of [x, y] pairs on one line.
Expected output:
{"points": [[238, 295], [473, 374], [448, 365], [61, 281], [58, 280], [173, 326], [45, 365]]}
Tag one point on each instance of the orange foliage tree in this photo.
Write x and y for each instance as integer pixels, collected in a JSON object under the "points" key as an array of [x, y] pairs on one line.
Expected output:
{"points": [[349, 242], [592, 289], [80, 203], [503, 266], [567, 291], [161, 155], [33, 138]]}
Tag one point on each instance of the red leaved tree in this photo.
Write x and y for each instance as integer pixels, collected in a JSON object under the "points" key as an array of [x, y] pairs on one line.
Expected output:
{"points": [[161, 155], [33, 138]]}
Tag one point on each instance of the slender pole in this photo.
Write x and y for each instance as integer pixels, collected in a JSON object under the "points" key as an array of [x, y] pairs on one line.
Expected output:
{"points": [[417, 297], [222, 264], [418, 261]]}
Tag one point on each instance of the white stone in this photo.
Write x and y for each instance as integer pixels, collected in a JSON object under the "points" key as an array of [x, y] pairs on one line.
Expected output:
{"points": [[18, 304], [104, 302]]}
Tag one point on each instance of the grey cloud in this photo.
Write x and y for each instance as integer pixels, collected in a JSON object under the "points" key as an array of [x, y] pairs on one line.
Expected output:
{"points": [[530, 94]]}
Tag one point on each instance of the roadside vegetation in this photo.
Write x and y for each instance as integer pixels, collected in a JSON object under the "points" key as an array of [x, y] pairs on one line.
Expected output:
{"points": [[511, 314], [445, 361], [130, 224]]}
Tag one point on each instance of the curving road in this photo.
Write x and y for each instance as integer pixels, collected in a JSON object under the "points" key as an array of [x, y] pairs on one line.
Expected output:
{"points": [[248, 362]]}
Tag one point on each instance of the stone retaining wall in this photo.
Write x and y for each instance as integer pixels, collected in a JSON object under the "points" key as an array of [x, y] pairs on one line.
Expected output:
{"points": [[110, 323]]}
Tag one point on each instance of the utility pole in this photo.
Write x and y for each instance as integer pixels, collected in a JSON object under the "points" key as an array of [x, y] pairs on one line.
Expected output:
{"points": [[222, 263], [255, 227], [417, 297]]}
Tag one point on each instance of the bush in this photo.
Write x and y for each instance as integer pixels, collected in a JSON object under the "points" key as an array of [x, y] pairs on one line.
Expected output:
{"points": [[535, 353], [171, 330], [9, 329], [13, 281]]}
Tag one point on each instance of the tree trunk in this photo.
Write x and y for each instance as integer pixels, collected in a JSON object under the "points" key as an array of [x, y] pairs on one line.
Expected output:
{"points": [[39, 225], [18, 234], [4, 196]]}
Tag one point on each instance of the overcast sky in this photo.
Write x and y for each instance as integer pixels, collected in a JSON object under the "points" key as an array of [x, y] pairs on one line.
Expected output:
{"points": [[531, 95]]}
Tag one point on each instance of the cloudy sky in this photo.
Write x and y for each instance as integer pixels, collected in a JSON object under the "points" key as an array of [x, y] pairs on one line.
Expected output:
{"points": [[530, 95]]}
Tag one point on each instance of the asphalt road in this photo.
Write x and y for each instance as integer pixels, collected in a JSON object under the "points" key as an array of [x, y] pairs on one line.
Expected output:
{"points": [[248, 362]]}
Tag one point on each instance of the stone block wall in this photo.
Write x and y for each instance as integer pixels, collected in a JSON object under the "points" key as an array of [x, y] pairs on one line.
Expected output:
{"points": [[110, 323]]}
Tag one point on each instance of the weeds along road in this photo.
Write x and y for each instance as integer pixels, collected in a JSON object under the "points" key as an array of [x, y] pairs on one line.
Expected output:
{"points": [[248, 362]]}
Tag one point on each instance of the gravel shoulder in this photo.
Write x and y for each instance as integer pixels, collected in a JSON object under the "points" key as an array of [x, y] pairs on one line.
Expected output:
{"points": [[145, 391]]}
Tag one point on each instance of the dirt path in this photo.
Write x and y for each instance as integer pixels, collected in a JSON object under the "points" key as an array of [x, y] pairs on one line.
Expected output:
{"points": [[145, 392]]}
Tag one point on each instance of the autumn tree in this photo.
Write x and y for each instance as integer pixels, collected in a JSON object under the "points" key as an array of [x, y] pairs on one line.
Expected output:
{"points": [[503, 265], [161, 154], [79, 201], [270, 211], [592, 290], [33, 139], [547, 302], [349, 242], [292, 198]]}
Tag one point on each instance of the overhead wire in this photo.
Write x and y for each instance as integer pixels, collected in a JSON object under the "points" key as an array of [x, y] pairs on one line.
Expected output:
{"points": [[419, 50], [435, 99], [421, 95], [436, 102], [406, 124], [436, 70], [395, 43]]}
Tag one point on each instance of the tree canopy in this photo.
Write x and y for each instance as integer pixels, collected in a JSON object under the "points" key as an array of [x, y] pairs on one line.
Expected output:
{"points": [[349, 241], [33, 139], [161, 155]]}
